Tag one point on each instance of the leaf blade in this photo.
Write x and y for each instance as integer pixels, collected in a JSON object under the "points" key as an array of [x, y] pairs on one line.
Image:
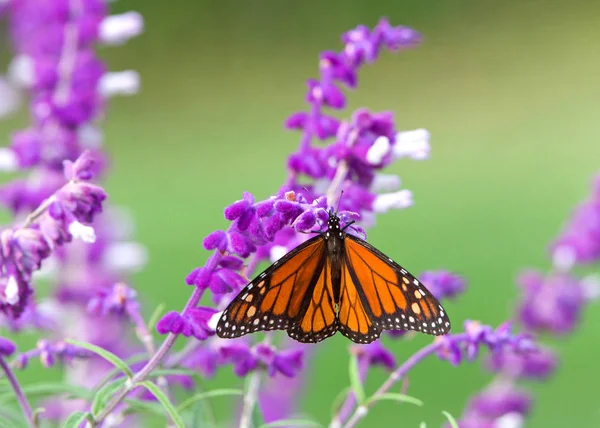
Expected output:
{"points": [[291, 423], [107, 355], [76, 419], [402, 398], [451, 419], [201, 396], [164, 400]]}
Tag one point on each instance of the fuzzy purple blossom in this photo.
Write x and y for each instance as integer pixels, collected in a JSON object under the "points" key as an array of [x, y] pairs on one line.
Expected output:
{"points": [[63, 216], [550, 303], [580, 239], [499, 402], [244, 359], [443, 284], [193, 323], [50, 352], [456, 349], [7, 347]]}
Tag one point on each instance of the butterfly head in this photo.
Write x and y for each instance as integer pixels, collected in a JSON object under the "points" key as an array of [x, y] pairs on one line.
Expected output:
{"points": [[333, 224]]}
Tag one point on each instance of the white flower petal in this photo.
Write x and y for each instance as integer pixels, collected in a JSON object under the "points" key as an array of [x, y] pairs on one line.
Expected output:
{"points": [[591, 287], [397, 200], [385, 183], [8, 160], [83, 232], [119, 83], [214, 320], [9, 98], [510, 420], [118, 29], [380, 149], [21, 71], [563, 258], [129, 256], [11, 292], [412, 144], [277, 252]]}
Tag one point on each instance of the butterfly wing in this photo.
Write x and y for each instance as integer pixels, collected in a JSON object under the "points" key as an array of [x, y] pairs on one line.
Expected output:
{"points": [[286, 296], [355, 317], [318, 321], [390, 297]]}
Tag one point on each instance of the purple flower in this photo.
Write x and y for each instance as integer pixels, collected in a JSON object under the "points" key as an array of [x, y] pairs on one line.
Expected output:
{"points": [[7, 348], [193, 323], [456, 348], [120, 299], [443, 284], [538, 364], [245, 359], [49, 352], [580, 240], [494, 403], [287, 362], [240, 355], [374, 354], [552, 303]]}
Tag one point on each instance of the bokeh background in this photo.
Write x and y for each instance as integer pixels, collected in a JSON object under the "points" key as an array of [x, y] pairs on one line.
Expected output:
{"points": [[510, 92]]}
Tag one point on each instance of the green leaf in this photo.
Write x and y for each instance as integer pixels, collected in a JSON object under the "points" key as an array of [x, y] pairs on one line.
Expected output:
{"points": [[76, 419], [291, 423], [104, 394], [451, 419], [172, 372], [50, 388], [131, 360], [422, 425], [201, 396], [164, 400], [11, 418], [396, 397], [107, 355], [355, 382], [144, 406], [155, 316]]}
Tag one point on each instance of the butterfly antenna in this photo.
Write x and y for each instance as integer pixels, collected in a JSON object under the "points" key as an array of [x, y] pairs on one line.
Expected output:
{"points": [[337, 210], [308, 192]]}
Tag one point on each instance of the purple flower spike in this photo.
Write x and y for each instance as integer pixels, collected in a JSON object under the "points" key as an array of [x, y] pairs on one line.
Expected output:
{"points": [[193, 323], [443, 284], [552, 303], [498, 401], [375, 354], [287, 362], [240, 356], [535, 365], [82, 169], [7, 348], [120, 299], [580, 241]]}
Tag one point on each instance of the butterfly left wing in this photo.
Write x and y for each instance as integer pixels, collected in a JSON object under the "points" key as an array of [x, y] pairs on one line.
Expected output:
{"points": [[392, 298], [290, 295]]}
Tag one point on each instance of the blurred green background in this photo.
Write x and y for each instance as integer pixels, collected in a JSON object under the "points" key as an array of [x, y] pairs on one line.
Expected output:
{"points": [[510, 92]]}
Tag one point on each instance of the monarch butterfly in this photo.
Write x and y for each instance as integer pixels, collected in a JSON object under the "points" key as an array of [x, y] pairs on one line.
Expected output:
{"points": [[334, 281]]}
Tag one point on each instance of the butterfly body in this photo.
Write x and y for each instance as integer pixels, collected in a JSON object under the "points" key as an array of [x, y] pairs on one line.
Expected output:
{"points": [[334, 282]]}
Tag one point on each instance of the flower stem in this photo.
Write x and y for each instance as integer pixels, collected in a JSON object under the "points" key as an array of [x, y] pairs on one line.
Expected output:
{"points": [[150, 365], [18, 392], [250, 400], [398, 374], [350, 401]]}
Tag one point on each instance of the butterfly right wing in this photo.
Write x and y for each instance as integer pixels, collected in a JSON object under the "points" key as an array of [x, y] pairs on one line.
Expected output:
{"points": [[392, 298], [278, 298]]}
